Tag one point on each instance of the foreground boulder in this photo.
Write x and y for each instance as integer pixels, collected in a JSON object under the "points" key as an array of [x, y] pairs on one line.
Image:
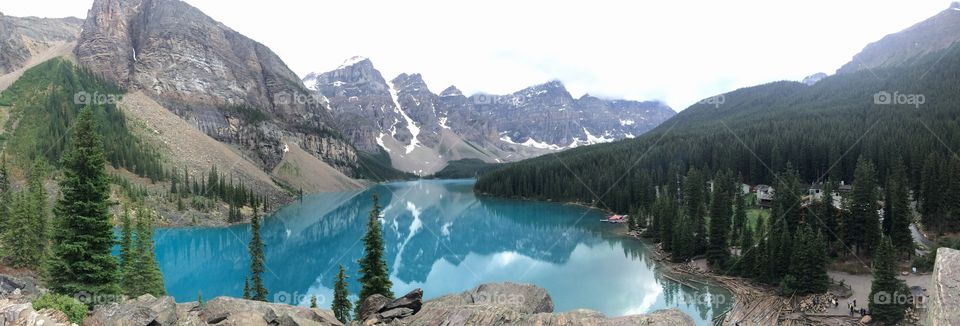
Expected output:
{"points": [[500, 304], [16, 287], [22, 314], [945, 283], [148, 310], [377, 309], [231, 311]]}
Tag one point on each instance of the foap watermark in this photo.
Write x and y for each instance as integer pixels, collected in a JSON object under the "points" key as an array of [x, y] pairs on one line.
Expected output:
{"points": [[487, 99], [296, 298], [499, 299], [716, 101], [285, 98], [705, 299], [897, 98], [95, 98], [899, 298], [96, 299]]}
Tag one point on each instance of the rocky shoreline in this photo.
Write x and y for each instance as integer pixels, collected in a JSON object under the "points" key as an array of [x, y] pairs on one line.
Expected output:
{"points": [[487, 304]]}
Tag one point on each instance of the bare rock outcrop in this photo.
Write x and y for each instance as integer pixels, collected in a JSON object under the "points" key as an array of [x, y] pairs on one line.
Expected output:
{"points": [[16, 313], [231, 87], [946, 289], [231, 311], [21, 38], [498, 304]]}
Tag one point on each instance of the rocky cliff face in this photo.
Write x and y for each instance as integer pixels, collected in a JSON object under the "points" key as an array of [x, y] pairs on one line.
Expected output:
{"points": [[421, 130], [23, 38], [231, 87], [933, 34], [941, 310]]}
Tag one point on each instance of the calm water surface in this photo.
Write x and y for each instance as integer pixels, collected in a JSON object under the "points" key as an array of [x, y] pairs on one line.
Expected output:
{"points": [[439, 237]]}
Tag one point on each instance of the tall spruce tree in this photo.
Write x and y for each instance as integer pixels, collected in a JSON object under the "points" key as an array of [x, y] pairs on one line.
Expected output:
{"points": [[694, 199], [748, 253], [720, 214], [864, 226], [886, 288], [81, 257], [128, 261], [39, 212], [374, 275], [808, 264], [20, 239], [151, 280], [4, 188], [5, 199], [739, 217], [341, 305], [258, 290], [933, 190], [828, 212], [900, 213]]}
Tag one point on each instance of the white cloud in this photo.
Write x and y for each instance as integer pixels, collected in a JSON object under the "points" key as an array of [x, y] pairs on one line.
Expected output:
{"points": [[677, 51]]}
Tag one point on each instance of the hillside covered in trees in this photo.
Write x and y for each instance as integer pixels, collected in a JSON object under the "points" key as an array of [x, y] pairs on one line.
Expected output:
{"points": [[820, 130]]}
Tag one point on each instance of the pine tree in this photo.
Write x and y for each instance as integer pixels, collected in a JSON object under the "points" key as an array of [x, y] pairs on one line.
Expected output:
{"points": [[720, 214], [341, 302], [739, 217], [128, 263], [374, 275], [695, 203], [886, 288], [808, 270], [5, 194], [21, 242], [828, 212], [151, 280], [899, 210], [864, 221], [82, 259], [748, 253], [257, 264], [39, 212], [313, 301], [932, 193], [246, 288]]}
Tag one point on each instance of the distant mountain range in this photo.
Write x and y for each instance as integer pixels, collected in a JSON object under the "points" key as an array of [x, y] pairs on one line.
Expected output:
{"points": [[422, 130], [352, 119]]}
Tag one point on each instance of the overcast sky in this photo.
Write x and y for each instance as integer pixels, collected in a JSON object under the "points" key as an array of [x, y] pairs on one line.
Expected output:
{"points": [[675, 51]]}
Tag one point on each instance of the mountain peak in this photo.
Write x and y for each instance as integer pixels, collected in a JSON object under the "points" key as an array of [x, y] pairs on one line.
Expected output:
{"points": [[354, 60], [451, 91], [813, 79], [556, 83]]}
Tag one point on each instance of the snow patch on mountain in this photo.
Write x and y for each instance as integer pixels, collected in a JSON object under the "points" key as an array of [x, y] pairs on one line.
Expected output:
{"points": [[352, 61], [380, 142], [591, 139], [531, 143], [411, 126]]}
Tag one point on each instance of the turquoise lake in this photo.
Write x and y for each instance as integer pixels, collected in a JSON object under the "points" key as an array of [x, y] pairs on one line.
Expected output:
{"points": [[442, 238]]}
